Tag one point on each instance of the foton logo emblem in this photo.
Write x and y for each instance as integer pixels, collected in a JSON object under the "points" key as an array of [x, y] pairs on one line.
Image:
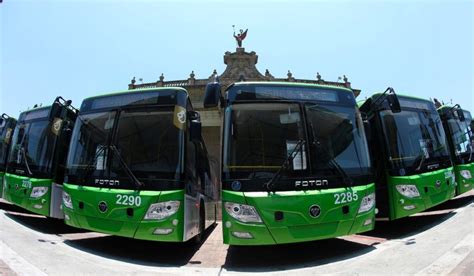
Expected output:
{"points": [[311, 183], [109, 182], [314, 211], [103, 206]]}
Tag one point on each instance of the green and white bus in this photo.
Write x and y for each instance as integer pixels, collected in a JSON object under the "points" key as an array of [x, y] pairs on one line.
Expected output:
{"points": [[138, 167], [413, 167], [295, 163], [457, 125], [7, 124], [35, 167]]}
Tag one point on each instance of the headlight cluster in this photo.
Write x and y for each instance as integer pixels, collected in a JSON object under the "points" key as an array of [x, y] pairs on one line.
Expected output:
{"points": [[67, 201], [367, 203], [242, 212], [37, 192], [408, 190], [162, 210], [466, 174]]}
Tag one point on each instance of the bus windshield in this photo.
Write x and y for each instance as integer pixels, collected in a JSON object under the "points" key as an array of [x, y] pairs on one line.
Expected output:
{"points": [[32, 148], [260, 136], [144, 140], [338, 134], [5, 137], [461, 137], [415, 139]]}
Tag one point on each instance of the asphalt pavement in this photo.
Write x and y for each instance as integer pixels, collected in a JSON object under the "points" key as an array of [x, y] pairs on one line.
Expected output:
{"points": [[439, 241]]}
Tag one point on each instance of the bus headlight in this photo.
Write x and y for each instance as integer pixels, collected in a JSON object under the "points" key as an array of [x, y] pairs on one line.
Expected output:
{"points": [[408, 190], [67, 201], [367, 203], [162, 210], [37, 192], [466, 174], [242, 212]]}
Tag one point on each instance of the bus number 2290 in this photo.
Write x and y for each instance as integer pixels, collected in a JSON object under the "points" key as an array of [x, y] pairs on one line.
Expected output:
{"points": [[128, 200]]}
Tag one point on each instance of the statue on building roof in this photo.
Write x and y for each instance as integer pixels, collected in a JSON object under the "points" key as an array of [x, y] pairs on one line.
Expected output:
{"points": [[240, 37], [133, 81], [318, 76], [268, 75]]}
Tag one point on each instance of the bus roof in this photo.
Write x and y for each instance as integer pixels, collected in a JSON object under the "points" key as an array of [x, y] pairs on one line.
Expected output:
{"points": [[136, 91], [361, 104], [402, 96], [446, 107], [281, 83], [35, 109]]}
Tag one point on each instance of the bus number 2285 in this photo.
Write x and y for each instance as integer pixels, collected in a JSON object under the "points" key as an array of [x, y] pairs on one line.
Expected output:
{"points": [[341, 198]]}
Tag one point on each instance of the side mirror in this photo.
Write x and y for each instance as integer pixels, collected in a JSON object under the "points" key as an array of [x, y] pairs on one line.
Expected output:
{"points": [[55, 111], [394, 103], [461, 115], [194, 126], [212, 95]]}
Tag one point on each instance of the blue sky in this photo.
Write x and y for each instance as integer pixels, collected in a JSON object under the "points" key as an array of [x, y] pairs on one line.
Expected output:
{"points": [[79, 49]]}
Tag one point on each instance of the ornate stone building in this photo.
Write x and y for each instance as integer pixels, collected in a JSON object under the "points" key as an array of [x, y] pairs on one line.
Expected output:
{"points": [[241, 66]]}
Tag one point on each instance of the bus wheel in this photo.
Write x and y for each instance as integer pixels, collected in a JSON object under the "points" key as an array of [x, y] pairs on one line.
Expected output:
{"points": [[202, 227]]}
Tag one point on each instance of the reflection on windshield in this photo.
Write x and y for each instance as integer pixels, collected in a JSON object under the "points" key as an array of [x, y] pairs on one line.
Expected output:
{"points": [[339, 135], [32, 146], [146, 141], [88, 143], [4, 142], [259, 137], [413, 138], [460, 134]]}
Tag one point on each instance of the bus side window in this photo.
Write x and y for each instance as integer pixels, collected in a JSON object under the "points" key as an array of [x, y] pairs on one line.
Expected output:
{"points": [[191, 182], [204, 170]]}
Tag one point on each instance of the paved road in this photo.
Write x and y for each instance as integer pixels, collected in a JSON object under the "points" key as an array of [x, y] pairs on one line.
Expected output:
{"points": [[440, 241]]}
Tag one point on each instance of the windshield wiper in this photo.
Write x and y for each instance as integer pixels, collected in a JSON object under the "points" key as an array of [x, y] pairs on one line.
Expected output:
{"points": [[91, 163], [23, 152], [127, 169], [345, 177], [270, 183], [423, 158], [26, 160]]}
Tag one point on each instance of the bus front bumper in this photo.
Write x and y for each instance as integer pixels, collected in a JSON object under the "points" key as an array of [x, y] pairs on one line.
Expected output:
{"points": [[296, 225], [144, 230], [123, 212], [18, 190]]}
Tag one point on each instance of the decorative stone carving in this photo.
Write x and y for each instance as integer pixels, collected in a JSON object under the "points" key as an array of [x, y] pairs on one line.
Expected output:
{"points": [[268, 76], [160, 83], [191, 79], [241, 65], [290, 76], [318, 77]]}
